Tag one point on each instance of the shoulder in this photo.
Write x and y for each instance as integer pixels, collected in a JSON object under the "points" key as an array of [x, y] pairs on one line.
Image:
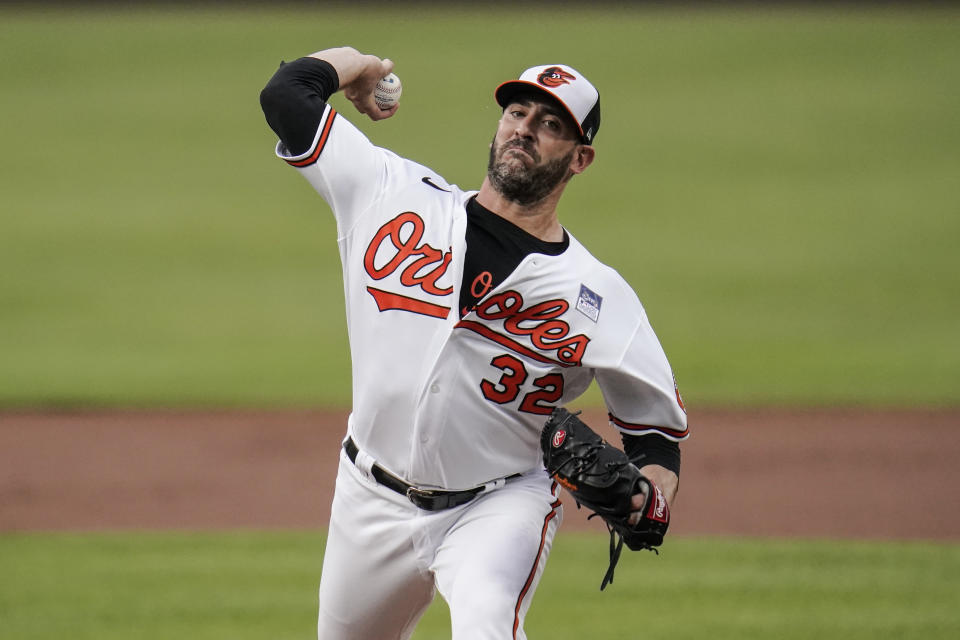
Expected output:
{"points": [[589, 266], [599, 293]]}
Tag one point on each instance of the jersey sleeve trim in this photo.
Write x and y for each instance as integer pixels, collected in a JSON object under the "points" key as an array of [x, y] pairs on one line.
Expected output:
{"points": [[643, 429], [311, 155]]}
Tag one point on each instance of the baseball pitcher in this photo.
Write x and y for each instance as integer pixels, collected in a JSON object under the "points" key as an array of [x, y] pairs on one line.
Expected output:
{"points": [[473, 318]]}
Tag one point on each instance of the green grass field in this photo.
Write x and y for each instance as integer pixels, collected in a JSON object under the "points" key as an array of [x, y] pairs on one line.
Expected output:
{"points": [[779, 186], [263, 585]]}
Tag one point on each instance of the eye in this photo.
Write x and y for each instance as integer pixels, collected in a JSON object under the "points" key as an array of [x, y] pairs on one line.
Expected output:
{"points": [[552, 123]]}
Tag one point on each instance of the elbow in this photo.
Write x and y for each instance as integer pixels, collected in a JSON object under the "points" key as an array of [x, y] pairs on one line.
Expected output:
{"points": [[267, 101], [271, 97]]}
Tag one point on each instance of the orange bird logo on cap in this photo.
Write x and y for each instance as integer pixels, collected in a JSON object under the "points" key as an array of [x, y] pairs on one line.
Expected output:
{"points": [[554, 77]]}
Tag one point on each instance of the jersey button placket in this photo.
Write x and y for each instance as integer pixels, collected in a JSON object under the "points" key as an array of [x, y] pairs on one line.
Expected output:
{"points": [[434, 389]]}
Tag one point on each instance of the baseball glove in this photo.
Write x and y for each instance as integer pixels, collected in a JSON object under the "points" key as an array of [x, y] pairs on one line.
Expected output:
{"points": [[601, 478]]}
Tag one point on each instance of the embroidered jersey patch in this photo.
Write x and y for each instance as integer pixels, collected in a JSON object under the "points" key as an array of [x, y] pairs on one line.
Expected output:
{"points": [[589, 303]]}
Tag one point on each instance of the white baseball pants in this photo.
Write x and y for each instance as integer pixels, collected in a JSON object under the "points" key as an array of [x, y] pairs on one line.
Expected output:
{"points": [[385, 558]]}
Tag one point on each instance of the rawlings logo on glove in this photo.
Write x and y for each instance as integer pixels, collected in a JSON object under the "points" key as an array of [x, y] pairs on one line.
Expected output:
{"points": [[601, 478]]}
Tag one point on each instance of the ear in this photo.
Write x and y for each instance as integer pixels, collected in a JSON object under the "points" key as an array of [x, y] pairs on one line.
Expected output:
{"points": [[582, 159]]}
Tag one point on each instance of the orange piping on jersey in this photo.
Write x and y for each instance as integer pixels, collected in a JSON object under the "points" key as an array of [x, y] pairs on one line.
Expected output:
{"points": [[673, 433], [387, 301], [321, 142]]}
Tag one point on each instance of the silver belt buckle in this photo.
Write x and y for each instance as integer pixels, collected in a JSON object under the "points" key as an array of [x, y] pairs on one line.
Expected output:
{"points": [[438, 500], [424, 498]]}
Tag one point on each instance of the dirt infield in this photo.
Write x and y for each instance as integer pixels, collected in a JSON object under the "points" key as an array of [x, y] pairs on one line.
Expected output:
{"points": [[824, 473]]}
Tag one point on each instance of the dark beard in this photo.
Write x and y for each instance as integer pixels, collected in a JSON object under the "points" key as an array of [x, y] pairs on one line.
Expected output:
{"points": [[521, 185]]}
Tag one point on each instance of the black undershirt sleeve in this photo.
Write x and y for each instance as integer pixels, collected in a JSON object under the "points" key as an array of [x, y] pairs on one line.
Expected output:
{"points": [[652, 449], [294, 99]]}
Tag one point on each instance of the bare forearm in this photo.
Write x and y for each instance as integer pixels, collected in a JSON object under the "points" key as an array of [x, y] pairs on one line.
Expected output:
{"points": [[667, 480], [348, 62]]}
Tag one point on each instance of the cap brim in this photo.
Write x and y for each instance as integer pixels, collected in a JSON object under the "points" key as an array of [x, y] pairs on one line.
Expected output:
{"points": [[506, 91]]}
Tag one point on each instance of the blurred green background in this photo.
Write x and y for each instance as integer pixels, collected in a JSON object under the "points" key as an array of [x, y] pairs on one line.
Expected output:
{"points": [[779, 186]]}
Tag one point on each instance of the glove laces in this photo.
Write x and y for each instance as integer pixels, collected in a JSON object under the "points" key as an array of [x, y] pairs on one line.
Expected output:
{"points": [[616, 547]]}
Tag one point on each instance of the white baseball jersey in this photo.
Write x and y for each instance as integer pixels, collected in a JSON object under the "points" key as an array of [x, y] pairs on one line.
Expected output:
{"points": [[454, 402]]}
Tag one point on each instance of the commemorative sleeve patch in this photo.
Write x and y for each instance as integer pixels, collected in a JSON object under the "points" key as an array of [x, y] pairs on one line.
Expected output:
{"points": [[588, 303]]}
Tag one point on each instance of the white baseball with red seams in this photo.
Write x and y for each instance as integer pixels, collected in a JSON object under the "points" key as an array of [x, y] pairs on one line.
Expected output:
{"points": [[388, 90], [454, 403]]}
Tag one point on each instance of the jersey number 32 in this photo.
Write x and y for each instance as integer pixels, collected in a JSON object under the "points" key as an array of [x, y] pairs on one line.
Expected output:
{"points": [[546, 389]]}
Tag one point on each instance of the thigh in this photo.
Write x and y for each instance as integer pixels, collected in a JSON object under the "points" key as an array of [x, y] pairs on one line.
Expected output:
{"points": [[373, 583], [491, 560]]}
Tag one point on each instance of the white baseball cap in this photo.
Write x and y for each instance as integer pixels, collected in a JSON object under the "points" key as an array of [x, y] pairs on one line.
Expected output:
{"points": [[567, 86]]}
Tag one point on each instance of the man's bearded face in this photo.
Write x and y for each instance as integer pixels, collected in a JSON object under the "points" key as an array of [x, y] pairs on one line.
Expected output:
{"points": [[523, 184]]}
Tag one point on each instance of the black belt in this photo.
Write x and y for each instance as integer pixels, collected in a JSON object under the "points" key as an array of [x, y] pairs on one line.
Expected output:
{"points": [[426, 499]]}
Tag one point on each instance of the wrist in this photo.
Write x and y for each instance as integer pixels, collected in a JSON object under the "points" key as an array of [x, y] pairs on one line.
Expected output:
{"points": [[666, 480]]}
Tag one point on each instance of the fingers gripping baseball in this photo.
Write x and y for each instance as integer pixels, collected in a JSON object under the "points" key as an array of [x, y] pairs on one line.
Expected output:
{"points": [[360, 91]]}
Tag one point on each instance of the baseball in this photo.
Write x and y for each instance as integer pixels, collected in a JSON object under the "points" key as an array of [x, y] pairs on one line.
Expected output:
{"points": [[388, 91]]}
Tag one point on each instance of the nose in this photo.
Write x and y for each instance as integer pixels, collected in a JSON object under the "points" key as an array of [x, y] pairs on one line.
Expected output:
{"points": [[523, 127]]}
